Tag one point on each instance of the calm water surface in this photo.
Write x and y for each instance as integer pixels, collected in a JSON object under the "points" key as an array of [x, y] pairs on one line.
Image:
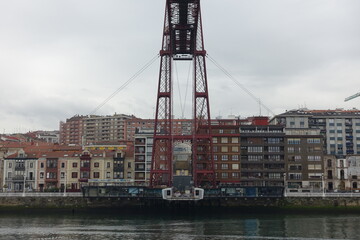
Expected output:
{"points": [[165, 226]]}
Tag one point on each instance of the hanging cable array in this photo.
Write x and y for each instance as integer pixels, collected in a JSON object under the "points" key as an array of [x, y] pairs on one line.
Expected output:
{"points": [[148, 64], [239, 84]]}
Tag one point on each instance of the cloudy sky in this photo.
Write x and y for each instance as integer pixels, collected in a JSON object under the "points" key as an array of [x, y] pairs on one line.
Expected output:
{"points": [[59, 58]]}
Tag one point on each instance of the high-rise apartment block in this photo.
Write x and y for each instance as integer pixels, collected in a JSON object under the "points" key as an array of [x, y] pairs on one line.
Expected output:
{"points": [[105, 128], [71, 131], [340, 128]]}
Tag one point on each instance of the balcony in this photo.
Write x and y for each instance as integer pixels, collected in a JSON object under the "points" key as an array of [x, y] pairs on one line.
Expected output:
{"points": [[51, 180], [119, 159], [85, 169], [19, 168], [119, 169]]}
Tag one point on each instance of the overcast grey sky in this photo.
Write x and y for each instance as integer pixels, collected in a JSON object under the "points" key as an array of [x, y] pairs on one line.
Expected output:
{"points": [[59, 58]]}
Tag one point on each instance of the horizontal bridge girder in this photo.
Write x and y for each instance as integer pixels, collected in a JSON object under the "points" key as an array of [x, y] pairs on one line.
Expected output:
{"points": [[183, 26]]}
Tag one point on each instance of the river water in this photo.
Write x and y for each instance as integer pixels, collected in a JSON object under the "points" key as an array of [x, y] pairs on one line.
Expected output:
{"points": [[166, 226]]}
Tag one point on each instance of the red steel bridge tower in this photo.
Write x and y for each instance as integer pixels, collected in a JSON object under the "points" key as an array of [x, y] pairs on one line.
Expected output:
{"points": [[182, 41]]}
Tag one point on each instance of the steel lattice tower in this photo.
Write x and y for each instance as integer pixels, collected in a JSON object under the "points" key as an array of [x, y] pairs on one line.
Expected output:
{"points": [[182, 40]]}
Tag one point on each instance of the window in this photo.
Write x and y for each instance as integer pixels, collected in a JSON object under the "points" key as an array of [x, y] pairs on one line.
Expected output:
{"points": [[315, 175], [235, 140], [74, 175], [329, 163], [215, 140], [295, 176], [293, 141], [274, 149], [314, 158], [341, 163], [235, 157], [224, 149], [313, 140], [235, 149], [51, 175], [224, 175], [129, 175], [255, 158], [74, 165], [224, 157], [41, 165], [62, 175], [235, 175], [274, 140], [108, 164], [31, 165], [224, 166], [96, 164], [41, 175], [274, 175], [235, 166], [10, 165], [291, 149], [255, 149], [274, 157], [96, 175], [51, 163], [129, 164], [108, 175], [215, 158], [314, 167], [224, 140]]}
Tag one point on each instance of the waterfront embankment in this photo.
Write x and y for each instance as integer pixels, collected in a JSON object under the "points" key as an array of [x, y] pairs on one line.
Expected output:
{"points": [[79, 202]]}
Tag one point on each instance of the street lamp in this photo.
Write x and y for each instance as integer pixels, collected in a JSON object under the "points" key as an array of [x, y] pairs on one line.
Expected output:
{"points": [[323, 185], [65, 185], [24, 185], [285, 195]]}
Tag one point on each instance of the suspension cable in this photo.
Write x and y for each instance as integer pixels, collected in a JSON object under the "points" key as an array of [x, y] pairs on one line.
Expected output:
{"points": [[186, 90], [178, 84], [239, 84], [148, 64]]}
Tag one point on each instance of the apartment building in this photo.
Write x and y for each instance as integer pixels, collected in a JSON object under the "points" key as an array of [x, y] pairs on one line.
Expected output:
{"points": [[226, 153], [340, 128], [262, 155], [143, 146], [19, 172], [304, 159], [105, 128], [133, 126], [71, 131], [330, 173]]}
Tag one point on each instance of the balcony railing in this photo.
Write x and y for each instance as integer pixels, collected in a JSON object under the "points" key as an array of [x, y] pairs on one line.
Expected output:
{"points": [[17, 168]]}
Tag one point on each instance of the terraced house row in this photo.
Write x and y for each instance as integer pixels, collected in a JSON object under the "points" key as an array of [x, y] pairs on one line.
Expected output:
{"points": [[53, 170]]}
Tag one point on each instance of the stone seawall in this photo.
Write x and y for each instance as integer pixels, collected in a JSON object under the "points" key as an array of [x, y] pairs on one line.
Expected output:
{"points": [[88, 203]]}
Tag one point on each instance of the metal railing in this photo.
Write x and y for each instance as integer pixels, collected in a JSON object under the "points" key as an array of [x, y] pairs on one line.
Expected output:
{"points": [[41, 194], [320, 194]]}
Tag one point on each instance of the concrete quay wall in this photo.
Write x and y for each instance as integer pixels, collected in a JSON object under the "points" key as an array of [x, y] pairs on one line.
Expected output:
{"points": [[88, 203]]}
